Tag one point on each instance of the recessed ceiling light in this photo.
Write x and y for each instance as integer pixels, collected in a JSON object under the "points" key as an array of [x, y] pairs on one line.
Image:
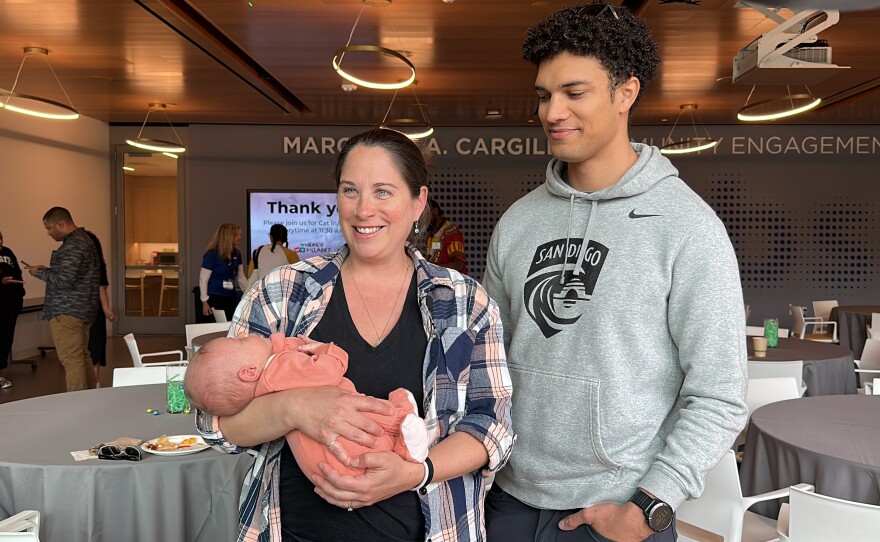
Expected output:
{"points": [[349, 87], [493, 114]]}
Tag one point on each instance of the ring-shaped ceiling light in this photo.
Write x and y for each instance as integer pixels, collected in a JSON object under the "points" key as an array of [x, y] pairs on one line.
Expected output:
{"points": [[747, 112], [688, 145], [416, 129], [337, 58], [411, 128], [36, 106], [157, 145], [693, 144]]}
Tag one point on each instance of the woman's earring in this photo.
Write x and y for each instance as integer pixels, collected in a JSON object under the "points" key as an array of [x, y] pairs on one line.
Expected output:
{"points": [[416, 229]]}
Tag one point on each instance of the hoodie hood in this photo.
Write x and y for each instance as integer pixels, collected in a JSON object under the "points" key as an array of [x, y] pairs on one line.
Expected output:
{"points": [[650, 168]]}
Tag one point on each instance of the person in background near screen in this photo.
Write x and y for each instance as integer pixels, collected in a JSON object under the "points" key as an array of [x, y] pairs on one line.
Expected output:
{"points": [[221, 278], [98, 331], [445, 242], [11, 299], [619, 291], [267, 257], [72, 282], [405, 323]]}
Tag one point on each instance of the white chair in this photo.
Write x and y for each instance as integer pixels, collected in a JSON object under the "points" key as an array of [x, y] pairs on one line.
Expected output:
{"points": [[138, 359], [763, 391], [196, 330], [723, 511], [800, 323], [758, 331], [754, 331], [778, 369], [219, 315], [138, 376], [811, 517], [875, 324], [868, 367], [21, 527], [822, 309]]}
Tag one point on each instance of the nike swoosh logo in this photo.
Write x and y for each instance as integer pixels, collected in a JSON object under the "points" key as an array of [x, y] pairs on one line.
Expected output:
{"points": [[632, 214]]}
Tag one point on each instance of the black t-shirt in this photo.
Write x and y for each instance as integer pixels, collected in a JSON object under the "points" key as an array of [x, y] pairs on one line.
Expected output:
{"points": [[397, 362], [9, 267]]}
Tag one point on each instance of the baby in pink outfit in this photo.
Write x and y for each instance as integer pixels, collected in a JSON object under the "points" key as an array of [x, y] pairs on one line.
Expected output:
{"points": [[227, 373]]}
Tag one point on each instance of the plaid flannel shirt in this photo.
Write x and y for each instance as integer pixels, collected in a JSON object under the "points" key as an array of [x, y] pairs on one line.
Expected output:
{"points": [[466, 380]]}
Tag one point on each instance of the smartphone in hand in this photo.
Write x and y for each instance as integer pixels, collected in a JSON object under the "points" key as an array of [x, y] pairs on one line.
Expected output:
{"points": [[24, 263]]}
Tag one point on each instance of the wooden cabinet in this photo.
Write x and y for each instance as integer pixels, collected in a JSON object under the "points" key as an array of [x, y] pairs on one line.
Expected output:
{"points": [[150, 209]]}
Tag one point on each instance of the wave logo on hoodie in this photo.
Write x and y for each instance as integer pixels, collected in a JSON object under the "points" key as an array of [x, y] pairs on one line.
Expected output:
{"points": [[553, 303]]}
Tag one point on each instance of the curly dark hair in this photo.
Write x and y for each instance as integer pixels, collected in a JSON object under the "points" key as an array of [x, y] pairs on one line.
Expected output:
{"points": [[622, 45]]}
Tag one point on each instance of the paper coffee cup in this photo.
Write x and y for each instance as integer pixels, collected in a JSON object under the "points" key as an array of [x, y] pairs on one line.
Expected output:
{"points": [[759, 344]]}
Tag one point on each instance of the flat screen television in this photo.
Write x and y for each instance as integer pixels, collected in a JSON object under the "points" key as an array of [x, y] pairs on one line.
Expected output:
{"points": [[311, 219]]}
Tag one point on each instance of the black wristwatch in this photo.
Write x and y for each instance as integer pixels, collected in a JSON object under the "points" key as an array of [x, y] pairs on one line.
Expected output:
{"points": [[658, 514]]}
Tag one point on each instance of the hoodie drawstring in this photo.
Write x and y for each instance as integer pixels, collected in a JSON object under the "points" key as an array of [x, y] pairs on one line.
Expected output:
{"points": [[594, 216], [567, 237]]}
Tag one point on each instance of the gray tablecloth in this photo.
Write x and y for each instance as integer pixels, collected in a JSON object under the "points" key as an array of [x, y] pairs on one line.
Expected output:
{"points": [[828, 368], [832, 442], [181, 498], [851, 325]]}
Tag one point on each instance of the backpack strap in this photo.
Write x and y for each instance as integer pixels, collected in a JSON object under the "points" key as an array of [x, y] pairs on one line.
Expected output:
{"points": [[256, 257]]}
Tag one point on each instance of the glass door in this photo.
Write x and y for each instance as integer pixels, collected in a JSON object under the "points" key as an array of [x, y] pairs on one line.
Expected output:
{"points": [[148, 245]]}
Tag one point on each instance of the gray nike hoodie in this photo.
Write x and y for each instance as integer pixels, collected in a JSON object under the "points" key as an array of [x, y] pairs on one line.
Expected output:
{"points": [[623, 324]]}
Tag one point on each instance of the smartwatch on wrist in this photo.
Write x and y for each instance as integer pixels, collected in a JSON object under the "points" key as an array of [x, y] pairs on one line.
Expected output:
{"points": [[658, 514]]}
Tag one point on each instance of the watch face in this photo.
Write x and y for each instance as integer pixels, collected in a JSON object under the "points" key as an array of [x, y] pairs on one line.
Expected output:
{"points": [[660, 517]]}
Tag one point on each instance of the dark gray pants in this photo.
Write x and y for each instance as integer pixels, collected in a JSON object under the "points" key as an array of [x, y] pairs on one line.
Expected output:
{"points": [[510, 520]]}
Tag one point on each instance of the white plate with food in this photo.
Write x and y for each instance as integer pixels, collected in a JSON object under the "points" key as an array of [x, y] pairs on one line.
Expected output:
{"points": [[175, 445]]}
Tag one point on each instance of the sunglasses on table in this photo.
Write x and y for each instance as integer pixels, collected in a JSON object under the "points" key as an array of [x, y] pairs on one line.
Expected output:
{"points": [[595, 10], [113, 452]]}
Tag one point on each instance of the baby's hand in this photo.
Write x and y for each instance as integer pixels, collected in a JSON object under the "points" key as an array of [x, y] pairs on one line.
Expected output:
{"points": [[309, 346]]}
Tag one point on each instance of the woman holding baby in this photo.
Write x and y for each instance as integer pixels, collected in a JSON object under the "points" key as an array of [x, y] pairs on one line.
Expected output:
{"points": [[404, 323]]}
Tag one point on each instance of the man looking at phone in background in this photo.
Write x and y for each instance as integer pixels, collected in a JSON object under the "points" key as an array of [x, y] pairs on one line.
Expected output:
{"points": [[71, 303], [622, 307]]}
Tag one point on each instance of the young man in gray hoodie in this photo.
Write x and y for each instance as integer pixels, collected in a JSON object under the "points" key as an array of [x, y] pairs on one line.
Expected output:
{"points": [[620, 295]]}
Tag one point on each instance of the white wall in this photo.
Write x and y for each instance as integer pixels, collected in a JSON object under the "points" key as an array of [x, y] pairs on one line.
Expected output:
{"points": [[47, 163]]}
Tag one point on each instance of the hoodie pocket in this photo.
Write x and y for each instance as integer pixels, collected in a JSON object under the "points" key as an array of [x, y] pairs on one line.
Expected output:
{"points": [[559, 423]]}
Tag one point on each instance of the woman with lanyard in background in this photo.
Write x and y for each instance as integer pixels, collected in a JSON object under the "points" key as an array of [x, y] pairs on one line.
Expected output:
{"points": [[221, 278]]}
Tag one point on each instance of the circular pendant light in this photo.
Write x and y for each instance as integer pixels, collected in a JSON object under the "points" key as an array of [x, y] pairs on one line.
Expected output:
{"points": [[688, 145], [778, 108], [157, 145], [337, 57], [36, 106]]}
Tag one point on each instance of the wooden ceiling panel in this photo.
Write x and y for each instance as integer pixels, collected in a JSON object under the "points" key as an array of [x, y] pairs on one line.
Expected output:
{"points": [[116, 56]]}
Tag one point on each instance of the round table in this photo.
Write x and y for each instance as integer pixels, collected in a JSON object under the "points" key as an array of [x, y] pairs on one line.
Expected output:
{"points": [[187, 497], [832, 442], [828, 368], [851, 325]]}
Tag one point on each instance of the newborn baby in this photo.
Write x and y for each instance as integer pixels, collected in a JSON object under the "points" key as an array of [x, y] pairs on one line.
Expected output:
{"points": [[227, 373]]}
